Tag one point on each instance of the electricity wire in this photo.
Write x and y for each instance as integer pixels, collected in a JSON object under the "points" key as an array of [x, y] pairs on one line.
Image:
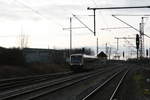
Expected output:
{"points": [[36, 12]]}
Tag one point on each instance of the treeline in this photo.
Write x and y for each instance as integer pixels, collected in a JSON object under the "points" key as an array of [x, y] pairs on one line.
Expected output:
{"points": [[16, 56], [11, 56], [139, 61]]}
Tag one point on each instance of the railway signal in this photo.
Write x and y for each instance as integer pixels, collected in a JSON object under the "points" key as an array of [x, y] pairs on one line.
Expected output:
{"points": [[137, 43], [140, 30], [83, 50], [123, 54], [146, 52]]}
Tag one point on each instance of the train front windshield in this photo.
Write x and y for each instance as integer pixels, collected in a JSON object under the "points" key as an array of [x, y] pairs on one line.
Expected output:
{"points": [[76, 59]]}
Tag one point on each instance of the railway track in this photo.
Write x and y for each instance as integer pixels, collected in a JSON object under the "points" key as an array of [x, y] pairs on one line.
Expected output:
{"points": [[108, 89], [7, 84], [39, 89]]}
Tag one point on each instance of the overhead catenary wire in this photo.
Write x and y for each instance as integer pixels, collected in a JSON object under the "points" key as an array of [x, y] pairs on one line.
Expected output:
{"points": [[131, 15], [125, 23], [129, 25], [36, 12], [82, 23], [114, 28], [103, 18]]}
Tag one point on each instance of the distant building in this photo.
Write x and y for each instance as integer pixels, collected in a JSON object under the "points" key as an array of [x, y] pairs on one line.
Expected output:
{"points": [[102, 56], [44, 55], [33, 55], [36, 55]]}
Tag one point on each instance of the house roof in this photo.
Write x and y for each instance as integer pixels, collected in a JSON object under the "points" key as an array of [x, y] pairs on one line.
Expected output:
{"points": [[102, 54]]}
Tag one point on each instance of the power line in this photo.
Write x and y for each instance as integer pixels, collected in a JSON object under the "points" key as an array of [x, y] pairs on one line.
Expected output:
{"points": [[125, 23], [109, 8], [35, 11], [7, 36], [82, 23], [129, 25], [73, 28], [103, 18], [114, 28], [131, 15]]}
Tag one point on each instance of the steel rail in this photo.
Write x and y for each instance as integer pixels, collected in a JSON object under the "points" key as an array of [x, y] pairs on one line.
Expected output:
{"points": [[33, 76], [104, 83], [119, 84], [68, 84], [36, 87], [17, 84], [12, 83]]}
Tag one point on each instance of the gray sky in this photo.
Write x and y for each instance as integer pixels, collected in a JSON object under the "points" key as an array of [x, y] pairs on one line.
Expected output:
{"points": [[43, 22]]}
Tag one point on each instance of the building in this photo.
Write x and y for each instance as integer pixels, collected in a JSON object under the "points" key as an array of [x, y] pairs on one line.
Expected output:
{"points": [[102, 56]]}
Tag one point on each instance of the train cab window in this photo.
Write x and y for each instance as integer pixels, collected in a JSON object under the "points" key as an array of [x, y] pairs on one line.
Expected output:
{"points": [[76, 59]]}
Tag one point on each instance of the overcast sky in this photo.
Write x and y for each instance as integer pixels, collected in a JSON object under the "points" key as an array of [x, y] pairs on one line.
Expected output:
{"points": [[42, 21]]}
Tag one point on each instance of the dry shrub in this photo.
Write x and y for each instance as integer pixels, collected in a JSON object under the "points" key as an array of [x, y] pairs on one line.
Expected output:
{"points": [[8, 71]]}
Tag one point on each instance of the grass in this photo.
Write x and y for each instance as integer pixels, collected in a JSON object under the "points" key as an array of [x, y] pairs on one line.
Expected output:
{"points": [[9, 71], [143, 87], [49, 68]]}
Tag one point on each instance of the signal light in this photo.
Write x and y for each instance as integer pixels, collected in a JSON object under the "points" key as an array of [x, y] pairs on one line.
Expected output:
{"points": [[137, 41]]}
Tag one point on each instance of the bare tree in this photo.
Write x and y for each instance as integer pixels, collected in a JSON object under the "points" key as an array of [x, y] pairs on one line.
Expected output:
{"points": [[23, 41]]}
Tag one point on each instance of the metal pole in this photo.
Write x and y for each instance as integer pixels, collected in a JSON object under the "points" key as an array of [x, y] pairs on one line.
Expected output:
{"points": [[97, 46], [117, 47], [118, 8], [117, 44], [94, 23], [109, 52], [70, 35], [94, 9], [137, 54], [106, 49], [143, 36], [149, 52]]}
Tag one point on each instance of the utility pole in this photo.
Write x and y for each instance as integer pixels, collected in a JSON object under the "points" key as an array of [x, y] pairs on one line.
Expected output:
{"points": [[110, 8], [149, 52], [94, 22], [70, 29], [97, 45], [117, 44], [140, 30], [142, 50], [106, 49], [117, 47], [70, 35], [109, 52]]}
